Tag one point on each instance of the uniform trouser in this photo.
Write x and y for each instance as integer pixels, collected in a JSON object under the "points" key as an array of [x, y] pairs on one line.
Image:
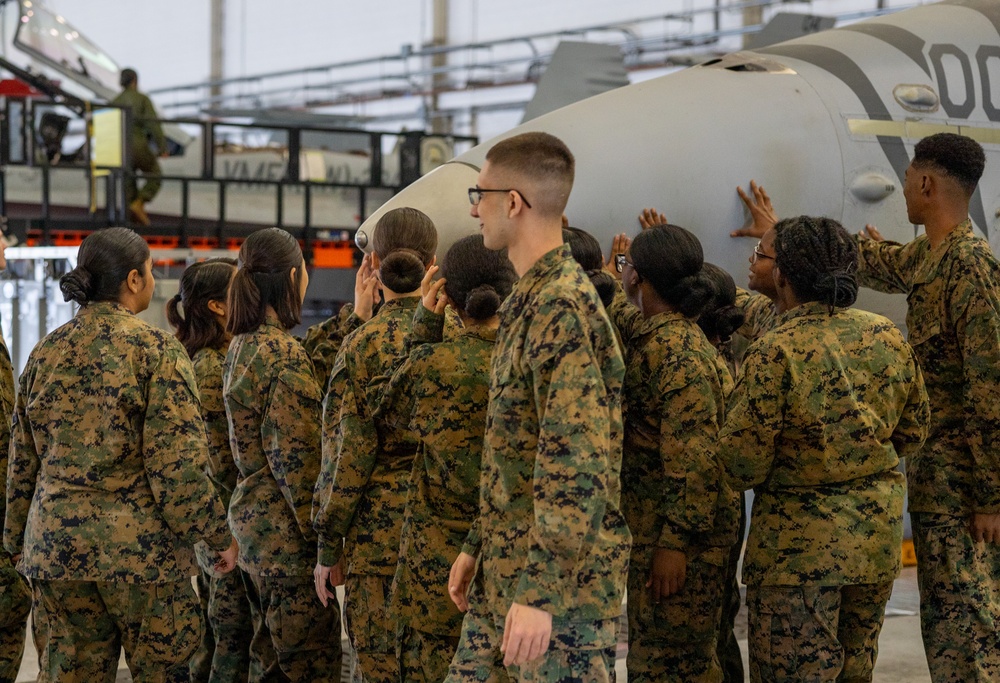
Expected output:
{"points": [[424, 657], [582, 652], [815, 633], [675, 639], [371, 628], [82, 627], [295, 638], [15, 605], [959, 582], [143, 160], [729, 647], [224, 652]]}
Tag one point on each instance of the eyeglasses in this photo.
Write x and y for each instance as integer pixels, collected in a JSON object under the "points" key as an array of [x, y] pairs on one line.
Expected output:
{"points": [[758, 254], [620, 262], [476, 195]]}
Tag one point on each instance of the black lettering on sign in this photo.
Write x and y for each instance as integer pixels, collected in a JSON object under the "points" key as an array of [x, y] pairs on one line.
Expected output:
{"points": [[954, 109], [983, 56]]}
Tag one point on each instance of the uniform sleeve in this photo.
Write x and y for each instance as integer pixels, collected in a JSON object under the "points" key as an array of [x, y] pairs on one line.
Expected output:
{"points": [[573, 459], [753, 419], [975, 310], [350, 447], [290, 434], [624, 316], [688, 432], [21, 471], [6, 413], [323, 340], [395, 392], [914, 422], [175, 455], [474, 539], [883, 266], [221, 465], [758, 311], [152, 123]]}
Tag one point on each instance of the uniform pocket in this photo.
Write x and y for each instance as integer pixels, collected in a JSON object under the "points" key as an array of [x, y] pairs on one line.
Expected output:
{"points": [[171, 625]]}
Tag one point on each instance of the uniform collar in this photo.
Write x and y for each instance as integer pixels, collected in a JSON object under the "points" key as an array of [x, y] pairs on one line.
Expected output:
{"points": [[927, 269], [657, 321], [104, 308], [543, 266], [404, 304], [814, 308]]}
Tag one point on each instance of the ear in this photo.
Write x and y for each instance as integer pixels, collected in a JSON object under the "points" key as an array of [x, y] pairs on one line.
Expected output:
{"points": [[376, 263], [514, 204], [135, 281], [292, 274], [779, 279], [217, 307]]}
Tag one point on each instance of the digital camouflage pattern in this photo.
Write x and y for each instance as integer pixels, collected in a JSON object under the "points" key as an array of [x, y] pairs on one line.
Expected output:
{"points": [[953, 319], [581, 652], [15, 595], [273, 408], [824, 407], [224, 652], [437, 392], [673, 492], [550, 533], [322, 341], [295, 637], [758, 312], [88, 623], [107, 472], [361, 492], [815, 633], [371, 628], [677, 638], [959, 600]]}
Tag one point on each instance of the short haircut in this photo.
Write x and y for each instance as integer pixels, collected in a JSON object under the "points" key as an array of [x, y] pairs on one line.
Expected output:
{"points": [[128, 77], [542, 164], [819, 258], [266, 259], [957, 156]]}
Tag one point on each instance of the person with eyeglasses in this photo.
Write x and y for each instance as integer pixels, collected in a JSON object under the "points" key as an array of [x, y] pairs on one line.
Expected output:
{"points": [[824, 407], [542, 574]]}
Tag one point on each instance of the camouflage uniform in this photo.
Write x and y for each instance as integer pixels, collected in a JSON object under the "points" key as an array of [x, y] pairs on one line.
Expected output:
{"points": [[323, 341], [759, 314], [107, 495], [144, 127], [361, 493], [673, 496], [224, 653], [438, 392], [15, 595], [823, 408], [953, 318], [273, 407], [550, 534]]}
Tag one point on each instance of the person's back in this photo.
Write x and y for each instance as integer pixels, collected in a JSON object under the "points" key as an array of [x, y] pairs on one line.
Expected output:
{"points": [[108, 491], [825, 405], [270, 507]]}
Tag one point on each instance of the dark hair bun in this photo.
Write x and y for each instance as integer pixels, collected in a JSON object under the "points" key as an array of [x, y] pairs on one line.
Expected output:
{"points": [[77, 285], [482, 302], [727, 320], [605, 285], [692, 294], [402, 270]]}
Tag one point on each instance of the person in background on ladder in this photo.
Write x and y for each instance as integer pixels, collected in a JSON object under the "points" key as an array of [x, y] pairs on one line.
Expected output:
{"points": [[143, 126]]}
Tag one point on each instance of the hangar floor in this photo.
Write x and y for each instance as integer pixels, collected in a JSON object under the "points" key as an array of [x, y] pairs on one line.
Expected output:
{"points": [[901, 653]]}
